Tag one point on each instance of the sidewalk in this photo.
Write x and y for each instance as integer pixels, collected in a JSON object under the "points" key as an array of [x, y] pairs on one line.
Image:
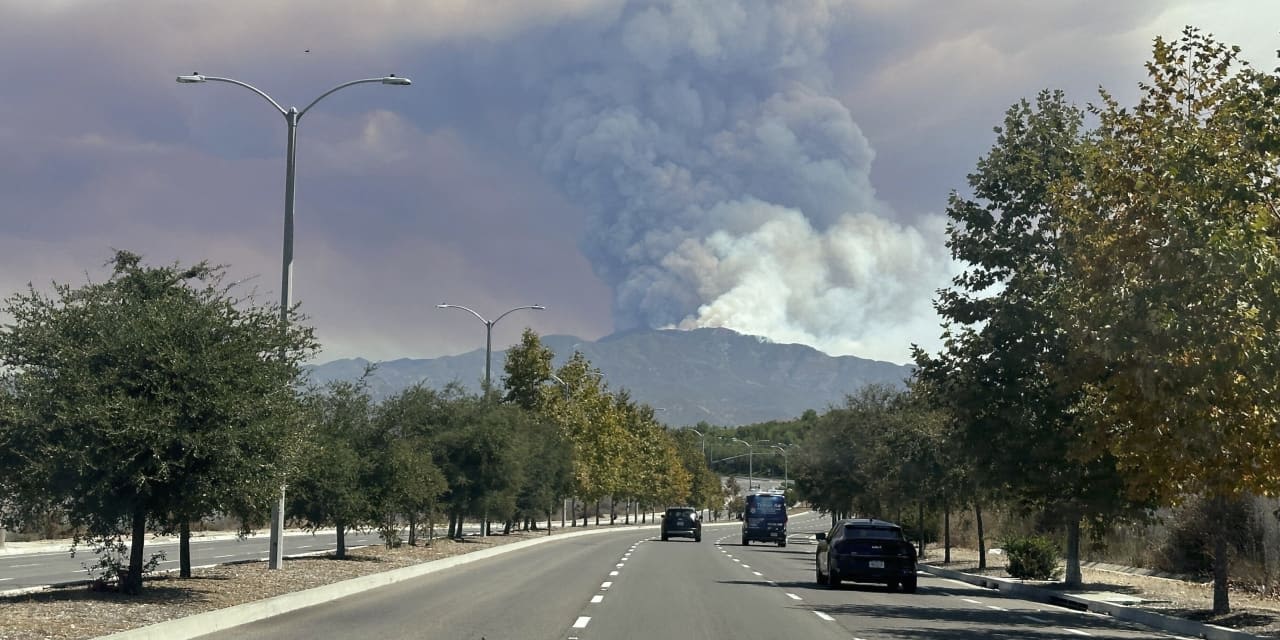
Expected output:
{"points": [[1120, 606], [64, 544]]}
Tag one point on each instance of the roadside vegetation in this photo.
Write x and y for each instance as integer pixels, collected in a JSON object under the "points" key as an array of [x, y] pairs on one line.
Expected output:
{"points": [[1111, 368]]}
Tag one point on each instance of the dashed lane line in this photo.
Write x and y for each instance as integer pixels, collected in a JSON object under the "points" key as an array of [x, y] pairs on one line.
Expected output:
{"points": [[1076, 631], [794, 596], [581, 623], [605, 585], [1035, 619], [597, 599], [824, 616]]}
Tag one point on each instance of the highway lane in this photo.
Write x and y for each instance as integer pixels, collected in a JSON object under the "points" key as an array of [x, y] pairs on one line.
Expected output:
{"points": [[939, 609], [23, 570]]}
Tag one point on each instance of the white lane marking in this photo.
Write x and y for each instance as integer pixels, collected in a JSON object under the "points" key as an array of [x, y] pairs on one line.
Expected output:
{"points": [[970, 601], [225, 556], [737, 561], [23, 566], [963, 584], [581, 623], [746, 566], [597, 599], [305, 546], [794, 596], [824, 616], [619, 565], [1035, 619], [758, 573], [992, 606], [1076, 631], [606, 585], [772, 583], [3, 579], [613, 573]]}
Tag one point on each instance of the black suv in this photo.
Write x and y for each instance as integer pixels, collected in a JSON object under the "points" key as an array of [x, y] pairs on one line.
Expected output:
{"points": [[681, 522], [866, 550]]}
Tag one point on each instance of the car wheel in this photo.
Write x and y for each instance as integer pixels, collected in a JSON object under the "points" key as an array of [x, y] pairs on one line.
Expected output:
{"points": [[833, 578], [744, 542], [782, 544], [909, 585], [697, 538], [664, 537], [819, 577], [893, 586]]}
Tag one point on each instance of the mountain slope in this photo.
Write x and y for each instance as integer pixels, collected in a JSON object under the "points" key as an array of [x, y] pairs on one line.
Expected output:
{"points": [[713, 375]]}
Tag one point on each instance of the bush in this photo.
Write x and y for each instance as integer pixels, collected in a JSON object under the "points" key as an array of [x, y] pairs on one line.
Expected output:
{"points": [[1032, 558]]}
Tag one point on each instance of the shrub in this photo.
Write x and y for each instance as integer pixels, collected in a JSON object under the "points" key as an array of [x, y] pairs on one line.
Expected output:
{"points": [[1032, 558]]}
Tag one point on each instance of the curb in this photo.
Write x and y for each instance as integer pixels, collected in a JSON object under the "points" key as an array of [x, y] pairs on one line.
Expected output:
{"points": [[222, 619], [1151, 619]]}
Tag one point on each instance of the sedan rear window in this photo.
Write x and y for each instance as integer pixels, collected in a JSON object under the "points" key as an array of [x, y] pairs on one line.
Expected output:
{"points": [[877, 533]]}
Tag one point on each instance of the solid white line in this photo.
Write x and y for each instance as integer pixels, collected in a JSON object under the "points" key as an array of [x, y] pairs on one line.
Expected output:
{"points": [[758, 573], [597, 599], [794, 596], [23, 566], [229, 555], [613, 573], [1076, 631], [581, 623], [3, 579], [824, 616], [606, 585]]}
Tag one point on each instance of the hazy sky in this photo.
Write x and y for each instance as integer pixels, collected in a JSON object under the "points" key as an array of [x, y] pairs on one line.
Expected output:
{"points": [[778, 167]]}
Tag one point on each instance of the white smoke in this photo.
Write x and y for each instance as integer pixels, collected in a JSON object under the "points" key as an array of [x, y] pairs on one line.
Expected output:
{"points": [[727, 186]]}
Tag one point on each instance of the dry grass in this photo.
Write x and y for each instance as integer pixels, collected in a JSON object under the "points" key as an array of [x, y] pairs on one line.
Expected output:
{"points": [[1251, 611]]}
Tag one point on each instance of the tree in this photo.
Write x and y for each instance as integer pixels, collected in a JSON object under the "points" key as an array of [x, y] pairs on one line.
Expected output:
{"points": [[146, 401], [527, 368], [1172, 285], [332, 485], [1001, 373]]}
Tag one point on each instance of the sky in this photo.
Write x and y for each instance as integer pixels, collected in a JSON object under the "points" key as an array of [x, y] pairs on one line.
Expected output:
{"points": [[777, 167]]}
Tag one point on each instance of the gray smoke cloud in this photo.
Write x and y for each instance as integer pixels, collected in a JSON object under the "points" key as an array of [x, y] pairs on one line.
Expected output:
{"points": [[727, 185]]}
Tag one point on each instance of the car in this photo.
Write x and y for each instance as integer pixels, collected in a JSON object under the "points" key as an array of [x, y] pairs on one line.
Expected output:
{"points": [[681, 522], [866, 550]]}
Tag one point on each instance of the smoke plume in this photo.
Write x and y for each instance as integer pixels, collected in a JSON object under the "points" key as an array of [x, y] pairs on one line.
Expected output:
{"points": [[727, 186]]}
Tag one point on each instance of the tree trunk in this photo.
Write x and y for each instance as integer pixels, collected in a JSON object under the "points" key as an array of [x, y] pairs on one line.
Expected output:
{"points": [[342, 542], [1221, 559], [453, 524], [982, 541], [598, 510], [1073, 577], [131, 583], [946, 531], [431, 527], [413, 531], [184, 550], [549, 511], [920, 513]]}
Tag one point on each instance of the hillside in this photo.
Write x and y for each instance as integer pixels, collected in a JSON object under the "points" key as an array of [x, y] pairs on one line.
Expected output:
{"points": [[713, 375]]}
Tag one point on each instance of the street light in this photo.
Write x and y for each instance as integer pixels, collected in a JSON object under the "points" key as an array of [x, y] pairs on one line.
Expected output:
{"points": [[750, 463], [488, 333], [786, 474], [291, 117]]}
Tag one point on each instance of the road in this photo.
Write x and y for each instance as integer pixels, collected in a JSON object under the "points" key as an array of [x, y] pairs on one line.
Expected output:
{"points": [[18, 571], [626, 584]]}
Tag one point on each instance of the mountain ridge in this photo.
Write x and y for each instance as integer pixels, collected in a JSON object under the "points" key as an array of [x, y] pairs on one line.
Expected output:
{"points": [[714, 375]]}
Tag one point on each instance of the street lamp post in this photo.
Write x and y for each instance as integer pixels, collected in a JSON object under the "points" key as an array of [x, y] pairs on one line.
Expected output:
{"points": [[751, 474], [488, 334], [786, 474], [291, 117]]}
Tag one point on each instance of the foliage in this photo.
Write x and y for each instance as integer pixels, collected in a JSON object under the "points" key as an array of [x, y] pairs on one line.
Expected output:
{"points": [[156, 397], [527, 369], [1032, 558]]}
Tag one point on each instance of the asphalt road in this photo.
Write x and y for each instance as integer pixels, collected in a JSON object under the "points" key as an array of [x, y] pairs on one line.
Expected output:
{"points": [[626, 584], [21, 570]]}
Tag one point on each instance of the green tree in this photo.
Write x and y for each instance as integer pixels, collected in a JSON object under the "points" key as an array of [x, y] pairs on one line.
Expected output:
{"points": [[143, 402], [332, 487], [1000, 373], [527, 369], [1171, 286]]}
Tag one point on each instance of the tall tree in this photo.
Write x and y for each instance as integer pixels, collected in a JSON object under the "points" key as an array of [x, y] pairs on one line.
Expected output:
{"points": [[527, 369], [1173, 280], [1000, 371], [151, 399]]}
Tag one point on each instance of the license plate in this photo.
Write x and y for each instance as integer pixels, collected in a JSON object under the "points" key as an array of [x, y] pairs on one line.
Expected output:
{"points": [[875, 564]]}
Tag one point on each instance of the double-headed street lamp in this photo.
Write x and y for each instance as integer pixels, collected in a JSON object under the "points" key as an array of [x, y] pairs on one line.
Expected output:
{"points": [[786, 474], [750, 463], [488, 333], [291, 117]]}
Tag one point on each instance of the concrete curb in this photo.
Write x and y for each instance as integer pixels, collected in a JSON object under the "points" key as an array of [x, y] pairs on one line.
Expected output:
{"points": [[230, 617], [1016, 589]]}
